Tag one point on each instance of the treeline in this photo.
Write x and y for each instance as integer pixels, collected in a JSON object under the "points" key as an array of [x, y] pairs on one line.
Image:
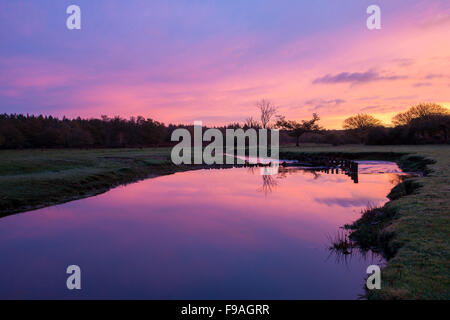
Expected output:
{"points": [[19, 131], [28, 131], [419, 131], [426, 123], [430, 130]]}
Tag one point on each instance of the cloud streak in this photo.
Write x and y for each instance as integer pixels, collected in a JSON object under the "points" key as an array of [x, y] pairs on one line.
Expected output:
{"points": [[355, 78], [318, 104]]}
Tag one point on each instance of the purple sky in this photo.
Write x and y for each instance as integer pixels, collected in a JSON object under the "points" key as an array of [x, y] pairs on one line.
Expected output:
{"points": [[179, 61]]}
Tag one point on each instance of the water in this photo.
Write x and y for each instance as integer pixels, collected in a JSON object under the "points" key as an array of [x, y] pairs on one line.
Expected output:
{"points": [[205, 234]]}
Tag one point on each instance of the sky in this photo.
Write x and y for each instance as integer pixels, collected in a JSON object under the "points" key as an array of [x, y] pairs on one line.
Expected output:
{"points": [[177, 61]]}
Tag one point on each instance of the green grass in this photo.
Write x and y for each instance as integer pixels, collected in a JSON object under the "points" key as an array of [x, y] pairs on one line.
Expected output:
{"points": [[420, 227], [32, 179]]}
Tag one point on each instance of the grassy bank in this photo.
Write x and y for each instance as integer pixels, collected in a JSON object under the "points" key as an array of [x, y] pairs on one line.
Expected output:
{"points": [[419, 223], [36, 178]]}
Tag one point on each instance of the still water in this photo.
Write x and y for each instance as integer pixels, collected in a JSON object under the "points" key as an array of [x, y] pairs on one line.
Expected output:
{"points": [[204, 234]]}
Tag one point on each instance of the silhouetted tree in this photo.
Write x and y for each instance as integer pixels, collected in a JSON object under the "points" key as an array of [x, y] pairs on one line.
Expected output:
{"points": [[422, 111], [361, 121], [297, 129], [251, 123], [430, 129]]}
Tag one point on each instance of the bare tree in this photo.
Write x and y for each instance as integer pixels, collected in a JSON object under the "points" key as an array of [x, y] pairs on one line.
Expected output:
{"points": [[268, 110], [252, 123]]}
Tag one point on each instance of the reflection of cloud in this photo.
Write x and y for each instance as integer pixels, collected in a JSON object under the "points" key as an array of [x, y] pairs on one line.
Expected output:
{"points": [[344, 202], [356, 77]]}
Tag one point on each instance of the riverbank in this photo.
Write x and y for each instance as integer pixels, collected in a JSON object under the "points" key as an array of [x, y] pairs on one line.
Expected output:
{"points": [[31, 179], [417, 223]]}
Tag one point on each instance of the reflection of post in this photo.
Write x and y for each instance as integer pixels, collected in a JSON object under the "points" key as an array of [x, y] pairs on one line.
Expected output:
{"points": [[354, 176], [354, 168]]}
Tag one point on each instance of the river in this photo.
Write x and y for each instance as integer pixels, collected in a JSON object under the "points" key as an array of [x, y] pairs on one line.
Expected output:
{"points": [[202, 234]]}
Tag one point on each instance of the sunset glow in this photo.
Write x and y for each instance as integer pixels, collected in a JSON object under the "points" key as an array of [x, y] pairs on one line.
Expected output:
{"points": [[228, 158], [183, 61]]}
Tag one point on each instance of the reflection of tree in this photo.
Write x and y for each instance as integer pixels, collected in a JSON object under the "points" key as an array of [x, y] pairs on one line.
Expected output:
{"points": [[251, 169], [269, 184], [315, 174], [283, 172], [271, 181]]}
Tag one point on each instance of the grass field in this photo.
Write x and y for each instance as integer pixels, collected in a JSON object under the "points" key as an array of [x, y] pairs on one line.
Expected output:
{"points": [[36, 178], [419, 270]]}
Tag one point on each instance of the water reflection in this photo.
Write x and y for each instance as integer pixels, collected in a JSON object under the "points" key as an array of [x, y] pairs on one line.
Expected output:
{"points": [[344, 250], [390, 169], [215, 234], [269, 183]]}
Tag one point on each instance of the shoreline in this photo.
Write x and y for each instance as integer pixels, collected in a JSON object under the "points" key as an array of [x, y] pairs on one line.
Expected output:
{"points": [[418, 222]]}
